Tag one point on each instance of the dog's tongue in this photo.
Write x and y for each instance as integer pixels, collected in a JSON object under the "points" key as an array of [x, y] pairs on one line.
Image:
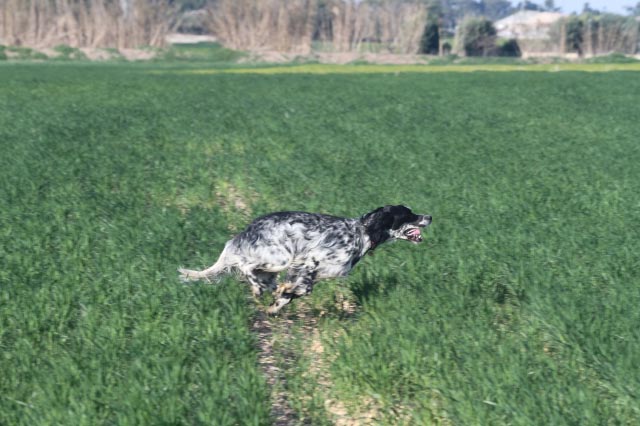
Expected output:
{"points": [[414, 232]]}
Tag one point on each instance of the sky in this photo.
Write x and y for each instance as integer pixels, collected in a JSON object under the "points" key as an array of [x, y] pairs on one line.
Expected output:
{"points": [[613, 6]]}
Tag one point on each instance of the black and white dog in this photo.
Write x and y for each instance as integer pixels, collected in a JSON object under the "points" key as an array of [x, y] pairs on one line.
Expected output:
{"points": [[309, 247]]}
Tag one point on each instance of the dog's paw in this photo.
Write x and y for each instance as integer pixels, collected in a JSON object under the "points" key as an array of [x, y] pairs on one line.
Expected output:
{"points": [[272, 310], [279, 303], [284, 288]]}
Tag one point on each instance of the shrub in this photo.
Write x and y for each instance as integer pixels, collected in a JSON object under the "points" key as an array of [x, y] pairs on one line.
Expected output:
{"points": [[509, 48], [430, 42], [446, 48], [477, 37], [68, 53], [26, 54], [573, 33], [613, 58], [209, 52]]}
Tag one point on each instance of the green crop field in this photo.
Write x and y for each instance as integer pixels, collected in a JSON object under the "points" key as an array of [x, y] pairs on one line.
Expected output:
{"points": [[521, 307]]}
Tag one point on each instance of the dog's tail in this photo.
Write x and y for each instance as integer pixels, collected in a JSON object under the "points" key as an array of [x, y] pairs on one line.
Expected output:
{"points": [[209, 274]]}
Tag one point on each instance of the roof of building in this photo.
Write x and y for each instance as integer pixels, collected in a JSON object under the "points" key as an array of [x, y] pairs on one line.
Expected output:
{"points": [[527, 24]]}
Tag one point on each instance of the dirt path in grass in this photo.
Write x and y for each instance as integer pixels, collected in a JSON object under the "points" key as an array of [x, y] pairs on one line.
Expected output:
{"points": [[281, 413], [277, 357]]}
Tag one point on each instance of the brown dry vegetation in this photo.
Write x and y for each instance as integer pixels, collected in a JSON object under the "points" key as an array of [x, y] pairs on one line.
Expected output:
{"points": [[396, 26], [79, 23], [346, 26], [254, 25], [299, 27], [259, 24]]}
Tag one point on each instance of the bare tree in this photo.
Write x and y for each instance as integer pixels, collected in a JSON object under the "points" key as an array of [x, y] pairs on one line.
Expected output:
{"points": [[85, 23], [263, 24], [395, 26], [347, 25], [597, 34]]}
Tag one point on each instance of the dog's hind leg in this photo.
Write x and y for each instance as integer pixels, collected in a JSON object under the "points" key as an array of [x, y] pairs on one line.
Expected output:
{"points": [[261, 280]]}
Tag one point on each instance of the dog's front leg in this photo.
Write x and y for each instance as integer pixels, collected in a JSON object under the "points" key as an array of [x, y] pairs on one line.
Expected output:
{"points": [[285, 287], [298, 282], [280, 303]]}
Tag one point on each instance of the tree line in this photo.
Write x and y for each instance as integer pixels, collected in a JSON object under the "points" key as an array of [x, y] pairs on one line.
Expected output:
{"points": [[399, 26]]}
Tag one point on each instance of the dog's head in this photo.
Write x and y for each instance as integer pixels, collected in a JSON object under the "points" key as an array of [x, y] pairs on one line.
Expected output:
{"points": [[394, 223]]}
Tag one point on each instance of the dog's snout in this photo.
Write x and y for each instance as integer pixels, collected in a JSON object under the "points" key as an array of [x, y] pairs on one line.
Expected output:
{"points": [[426, 220]]}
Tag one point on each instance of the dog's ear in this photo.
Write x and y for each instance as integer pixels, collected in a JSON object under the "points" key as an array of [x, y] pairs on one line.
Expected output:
{"points": [[378, 223], [401, 214]]}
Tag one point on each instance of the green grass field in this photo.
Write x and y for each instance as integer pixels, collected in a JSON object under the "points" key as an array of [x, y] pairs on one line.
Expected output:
{"points": [[521, 307]]}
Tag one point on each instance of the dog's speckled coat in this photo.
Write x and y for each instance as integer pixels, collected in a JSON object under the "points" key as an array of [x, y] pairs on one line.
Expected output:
{"points": [[309, 246]]}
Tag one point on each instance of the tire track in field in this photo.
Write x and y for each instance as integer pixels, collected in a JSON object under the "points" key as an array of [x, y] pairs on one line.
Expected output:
{"points": [[281, 413], [276, 357]]}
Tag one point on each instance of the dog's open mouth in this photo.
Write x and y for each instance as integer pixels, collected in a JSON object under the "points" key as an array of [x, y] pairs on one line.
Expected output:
{"points": [[413, 234]]}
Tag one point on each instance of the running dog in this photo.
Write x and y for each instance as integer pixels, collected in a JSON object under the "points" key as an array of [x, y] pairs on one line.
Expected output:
{"points": [[309, 246]]}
